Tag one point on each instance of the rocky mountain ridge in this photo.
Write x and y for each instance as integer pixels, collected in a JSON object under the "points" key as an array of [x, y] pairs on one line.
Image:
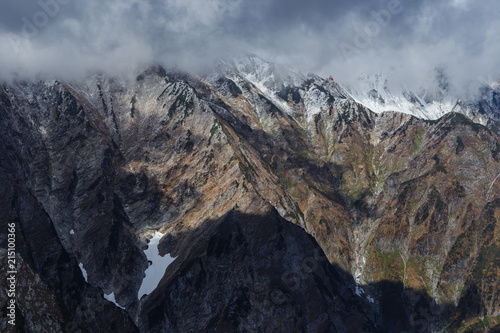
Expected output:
{"points": [[287, 206]]}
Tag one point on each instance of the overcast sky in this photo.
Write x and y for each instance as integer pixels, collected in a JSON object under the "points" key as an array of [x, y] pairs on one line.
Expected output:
{"points": [[328, 37]]}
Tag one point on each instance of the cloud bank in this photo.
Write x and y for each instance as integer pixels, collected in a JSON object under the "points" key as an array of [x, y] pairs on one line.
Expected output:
{"points": [[69, 38]]}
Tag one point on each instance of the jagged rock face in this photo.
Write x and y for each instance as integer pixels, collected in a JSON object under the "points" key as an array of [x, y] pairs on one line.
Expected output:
{"points": [[252, 181]]}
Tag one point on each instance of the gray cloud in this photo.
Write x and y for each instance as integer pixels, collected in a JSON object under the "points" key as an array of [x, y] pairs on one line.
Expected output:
{"points": [[344, 38]]}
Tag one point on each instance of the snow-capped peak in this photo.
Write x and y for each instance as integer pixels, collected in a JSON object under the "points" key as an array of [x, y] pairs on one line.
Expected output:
{"points": [[272, 76], [431, 100]]}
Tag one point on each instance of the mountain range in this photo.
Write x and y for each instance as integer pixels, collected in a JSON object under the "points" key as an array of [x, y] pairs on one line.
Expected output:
{"points": [[250, 198]]}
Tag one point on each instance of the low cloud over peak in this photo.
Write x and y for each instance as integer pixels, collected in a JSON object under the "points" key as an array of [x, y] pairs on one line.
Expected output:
{"points": [[69, 38]]}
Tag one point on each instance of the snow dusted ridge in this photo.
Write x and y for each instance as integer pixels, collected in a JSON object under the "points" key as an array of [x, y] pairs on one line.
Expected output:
{"points": [[278, 83], [428, 102], [374, 93], [379, 93], [268, 75], [154, 273]]}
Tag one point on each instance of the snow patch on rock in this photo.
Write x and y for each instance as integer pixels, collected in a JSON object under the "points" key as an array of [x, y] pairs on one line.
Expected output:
{"points": [[154, 273], [111, 298], [84, 272]]}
